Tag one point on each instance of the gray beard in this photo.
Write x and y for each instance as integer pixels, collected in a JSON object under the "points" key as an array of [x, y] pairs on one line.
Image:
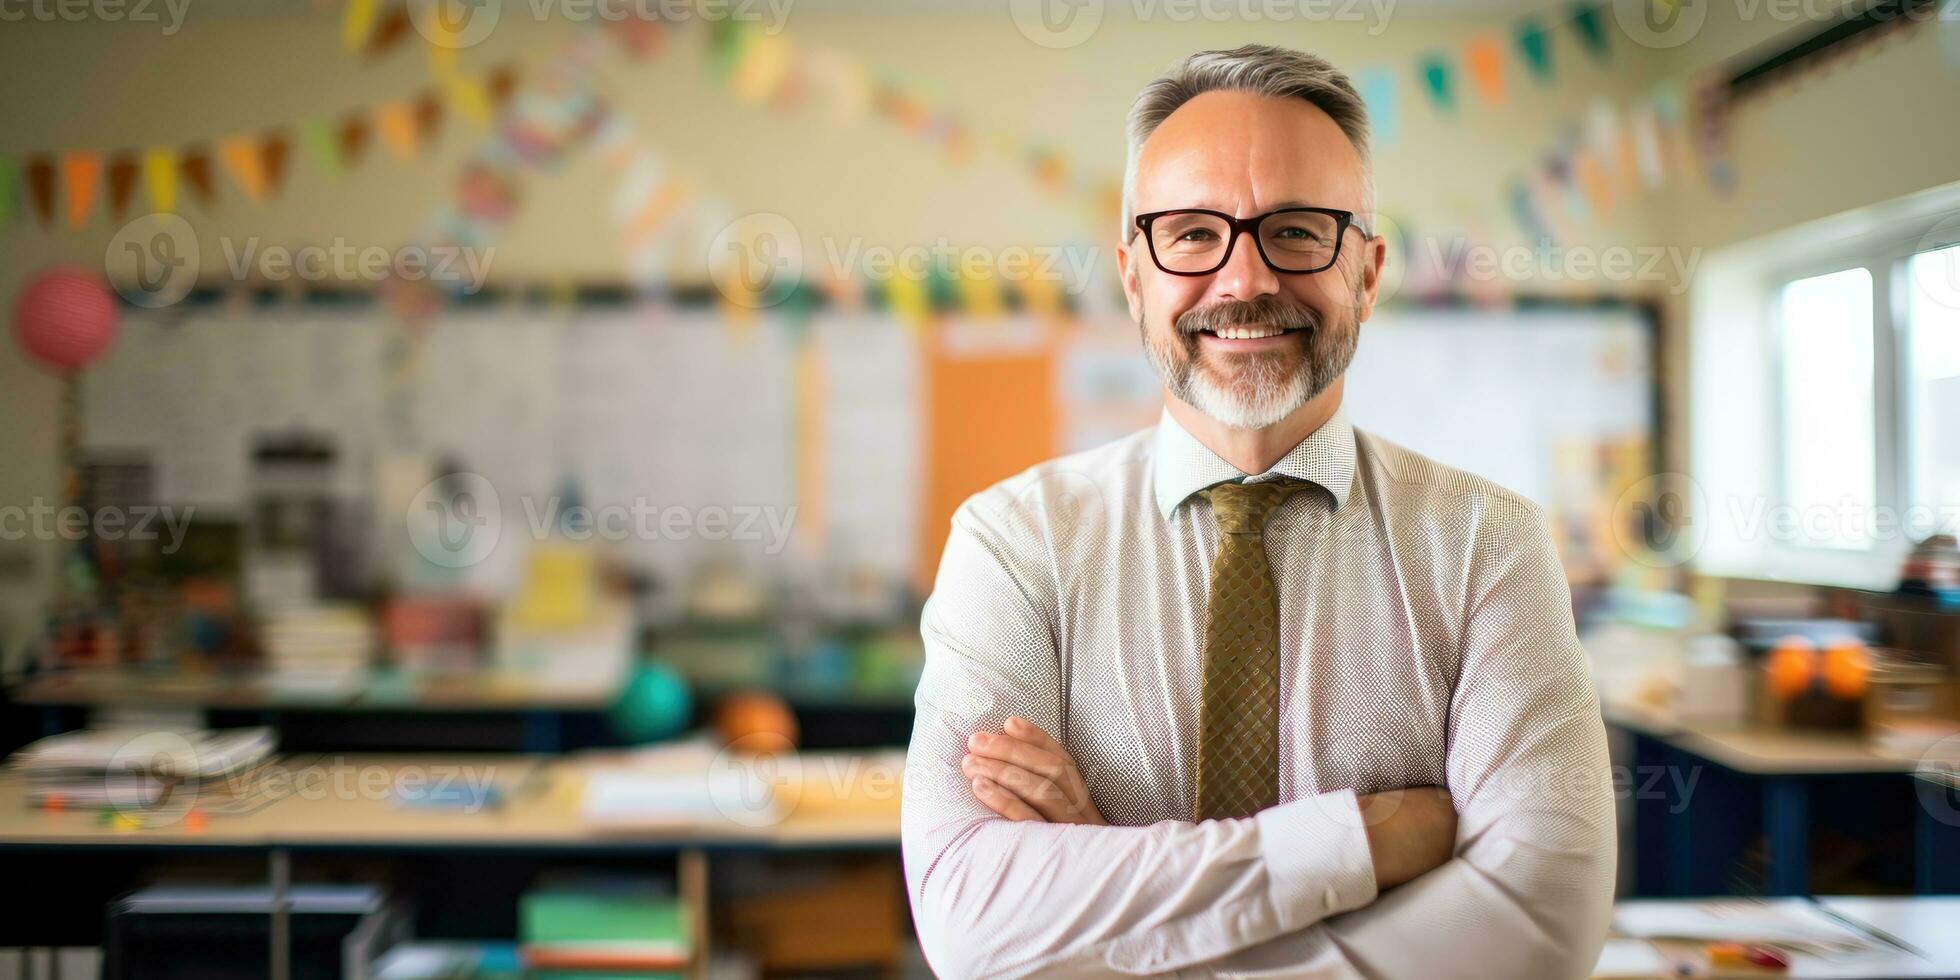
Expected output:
{"points": [[1265, 388]]}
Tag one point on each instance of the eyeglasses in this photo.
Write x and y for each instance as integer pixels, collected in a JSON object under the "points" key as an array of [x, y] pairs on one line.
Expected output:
{"points": [[1197, 242]]}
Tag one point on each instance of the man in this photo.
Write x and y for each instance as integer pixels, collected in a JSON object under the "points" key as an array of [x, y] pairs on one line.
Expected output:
{"points": [[1254, 692]]}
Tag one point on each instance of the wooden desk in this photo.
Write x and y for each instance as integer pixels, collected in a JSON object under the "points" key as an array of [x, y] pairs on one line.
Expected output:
{"points": [[1784, 764], [348, 802], [1925, 924]]}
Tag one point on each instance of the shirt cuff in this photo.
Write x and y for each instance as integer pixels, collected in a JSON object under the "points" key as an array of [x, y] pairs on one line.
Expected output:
{"points": [[1317, 857]]}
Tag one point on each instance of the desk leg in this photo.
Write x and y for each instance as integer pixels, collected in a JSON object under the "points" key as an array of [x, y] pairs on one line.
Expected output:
{"points": [[694, 903], [281, 873], [1786, 822]]}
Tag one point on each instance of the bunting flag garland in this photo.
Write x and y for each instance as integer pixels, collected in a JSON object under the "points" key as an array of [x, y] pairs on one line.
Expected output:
{"points": [[40, 187], [122, 183], [1377, 89], [1436, 78], [160, 178], [240, 155], [1535, 45], [81, 172], [195, 164], [1591, 28], [257, 164], [1485, 62]]}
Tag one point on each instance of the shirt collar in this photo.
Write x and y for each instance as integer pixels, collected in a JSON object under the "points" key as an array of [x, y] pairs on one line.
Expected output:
{"points": [[1183, 465]]}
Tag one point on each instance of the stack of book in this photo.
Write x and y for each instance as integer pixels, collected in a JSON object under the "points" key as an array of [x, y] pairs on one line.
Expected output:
{"points": [[135, 768], [619, 927], [318, 649]]}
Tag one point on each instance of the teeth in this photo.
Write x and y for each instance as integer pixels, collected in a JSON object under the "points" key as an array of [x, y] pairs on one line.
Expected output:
{"points": [[1248, 333]]}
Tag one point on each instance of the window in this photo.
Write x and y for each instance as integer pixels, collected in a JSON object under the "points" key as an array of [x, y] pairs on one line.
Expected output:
{"points": [[1829, 445], [1824, 368], [1933, 383]]}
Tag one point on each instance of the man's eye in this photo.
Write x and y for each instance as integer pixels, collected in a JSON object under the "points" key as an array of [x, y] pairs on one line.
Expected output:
{"points": [[1197, 235]]}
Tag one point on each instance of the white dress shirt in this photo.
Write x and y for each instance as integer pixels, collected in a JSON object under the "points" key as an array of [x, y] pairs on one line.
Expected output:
{"points": [[1426, 638]]}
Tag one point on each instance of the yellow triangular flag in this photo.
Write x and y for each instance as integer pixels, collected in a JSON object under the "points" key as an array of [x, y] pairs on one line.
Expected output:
{"points": [[908, 300], [356, 22], [396, 121], [241, 156], [979, 297], [160, 176], [469, 98]]}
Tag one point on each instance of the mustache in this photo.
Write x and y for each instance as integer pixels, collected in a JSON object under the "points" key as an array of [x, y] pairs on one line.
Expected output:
{"points": [[1266, 310]]}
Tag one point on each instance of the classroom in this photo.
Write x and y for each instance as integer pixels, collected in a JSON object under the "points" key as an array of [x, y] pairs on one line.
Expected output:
{"points": [[912, 488]]}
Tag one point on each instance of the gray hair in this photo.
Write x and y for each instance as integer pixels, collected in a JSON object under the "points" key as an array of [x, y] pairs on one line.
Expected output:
{"points": [[1261, 69]]}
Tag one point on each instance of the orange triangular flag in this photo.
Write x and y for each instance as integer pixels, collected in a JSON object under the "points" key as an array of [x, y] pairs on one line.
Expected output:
{"points": [[1485, 61], [122, 182], [396, 123], [81, 171], [240, 155]]}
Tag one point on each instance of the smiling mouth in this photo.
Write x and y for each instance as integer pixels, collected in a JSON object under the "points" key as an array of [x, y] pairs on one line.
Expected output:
{"points": [[1252, 331]]}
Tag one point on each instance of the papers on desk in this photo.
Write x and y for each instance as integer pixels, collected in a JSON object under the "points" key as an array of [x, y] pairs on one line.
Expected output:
{"points": [[682, 784], [1795, 924], [132, 768]]}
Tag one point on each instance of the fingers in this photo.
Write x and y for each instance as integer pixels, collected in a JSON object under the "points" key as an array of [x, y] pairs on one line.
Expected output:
{"points": [[1043, 795], [1030, 732], [995, 798], [1007, 748]]}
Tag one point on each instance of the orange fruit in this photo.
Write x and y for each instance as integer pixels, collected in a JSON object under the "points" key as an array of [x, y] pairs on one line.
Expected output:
{"points": [[1791, 665]]}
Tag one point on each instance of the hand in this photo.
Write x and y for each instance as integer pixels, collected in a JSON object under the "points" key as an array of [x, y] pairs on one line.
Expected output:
{"points": [[1022, 774], [1411, 832]]}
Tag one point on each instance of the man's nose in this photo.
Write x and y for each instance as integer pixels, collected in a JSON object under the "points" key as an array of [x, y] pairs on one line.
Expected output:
{"points": [[1245, 274]]}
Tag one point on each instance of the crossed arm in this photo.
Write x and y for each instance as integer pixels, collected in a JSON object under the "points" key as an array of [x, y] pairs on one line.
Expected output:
{"points": [[1009, 884]]}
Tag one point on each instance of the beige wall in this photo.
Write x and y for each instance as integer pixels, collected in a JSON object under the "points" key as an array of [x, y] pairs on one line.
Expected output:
{"points": [[1864, 132]]}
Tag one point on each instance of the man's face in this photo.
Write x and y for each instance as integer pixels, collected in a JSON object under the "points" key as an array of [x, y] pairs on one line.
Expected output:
{"points": [[1247, 345]]}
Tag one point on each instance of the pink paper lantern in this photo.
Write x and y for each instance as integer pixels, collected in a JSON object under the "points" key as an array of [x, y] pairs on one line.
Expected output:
{"points": [[65, 318]]}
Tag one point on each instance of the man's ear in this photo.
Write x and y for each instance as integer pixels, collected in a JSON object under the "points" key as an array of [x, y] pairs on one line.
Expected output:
{"points": [[1126, 269], [1373, 258]]}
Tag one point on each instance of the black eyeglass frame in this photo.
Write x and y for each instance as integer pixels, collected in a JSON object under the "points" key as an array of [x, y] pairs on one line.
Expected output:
{"points": [[1250, 226]]}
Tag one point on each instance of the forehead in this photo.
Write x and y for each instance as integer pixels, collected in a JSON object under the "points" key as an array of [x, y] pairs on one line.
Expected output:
{"points": [[1240, 152]]}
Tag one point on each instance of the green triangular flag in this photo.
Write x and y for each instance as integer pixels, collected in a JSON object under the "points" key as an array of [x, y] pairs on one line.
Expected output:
{"points": [[1535, 45], [321, 145], [1591, 29], [1436, 78], [9, 181], [725, 48]]}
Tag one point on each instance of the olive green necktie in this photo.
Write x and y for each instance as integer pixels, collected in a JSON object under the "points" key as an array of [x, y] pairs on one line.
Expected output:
{"points": [[1238, 740]]}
